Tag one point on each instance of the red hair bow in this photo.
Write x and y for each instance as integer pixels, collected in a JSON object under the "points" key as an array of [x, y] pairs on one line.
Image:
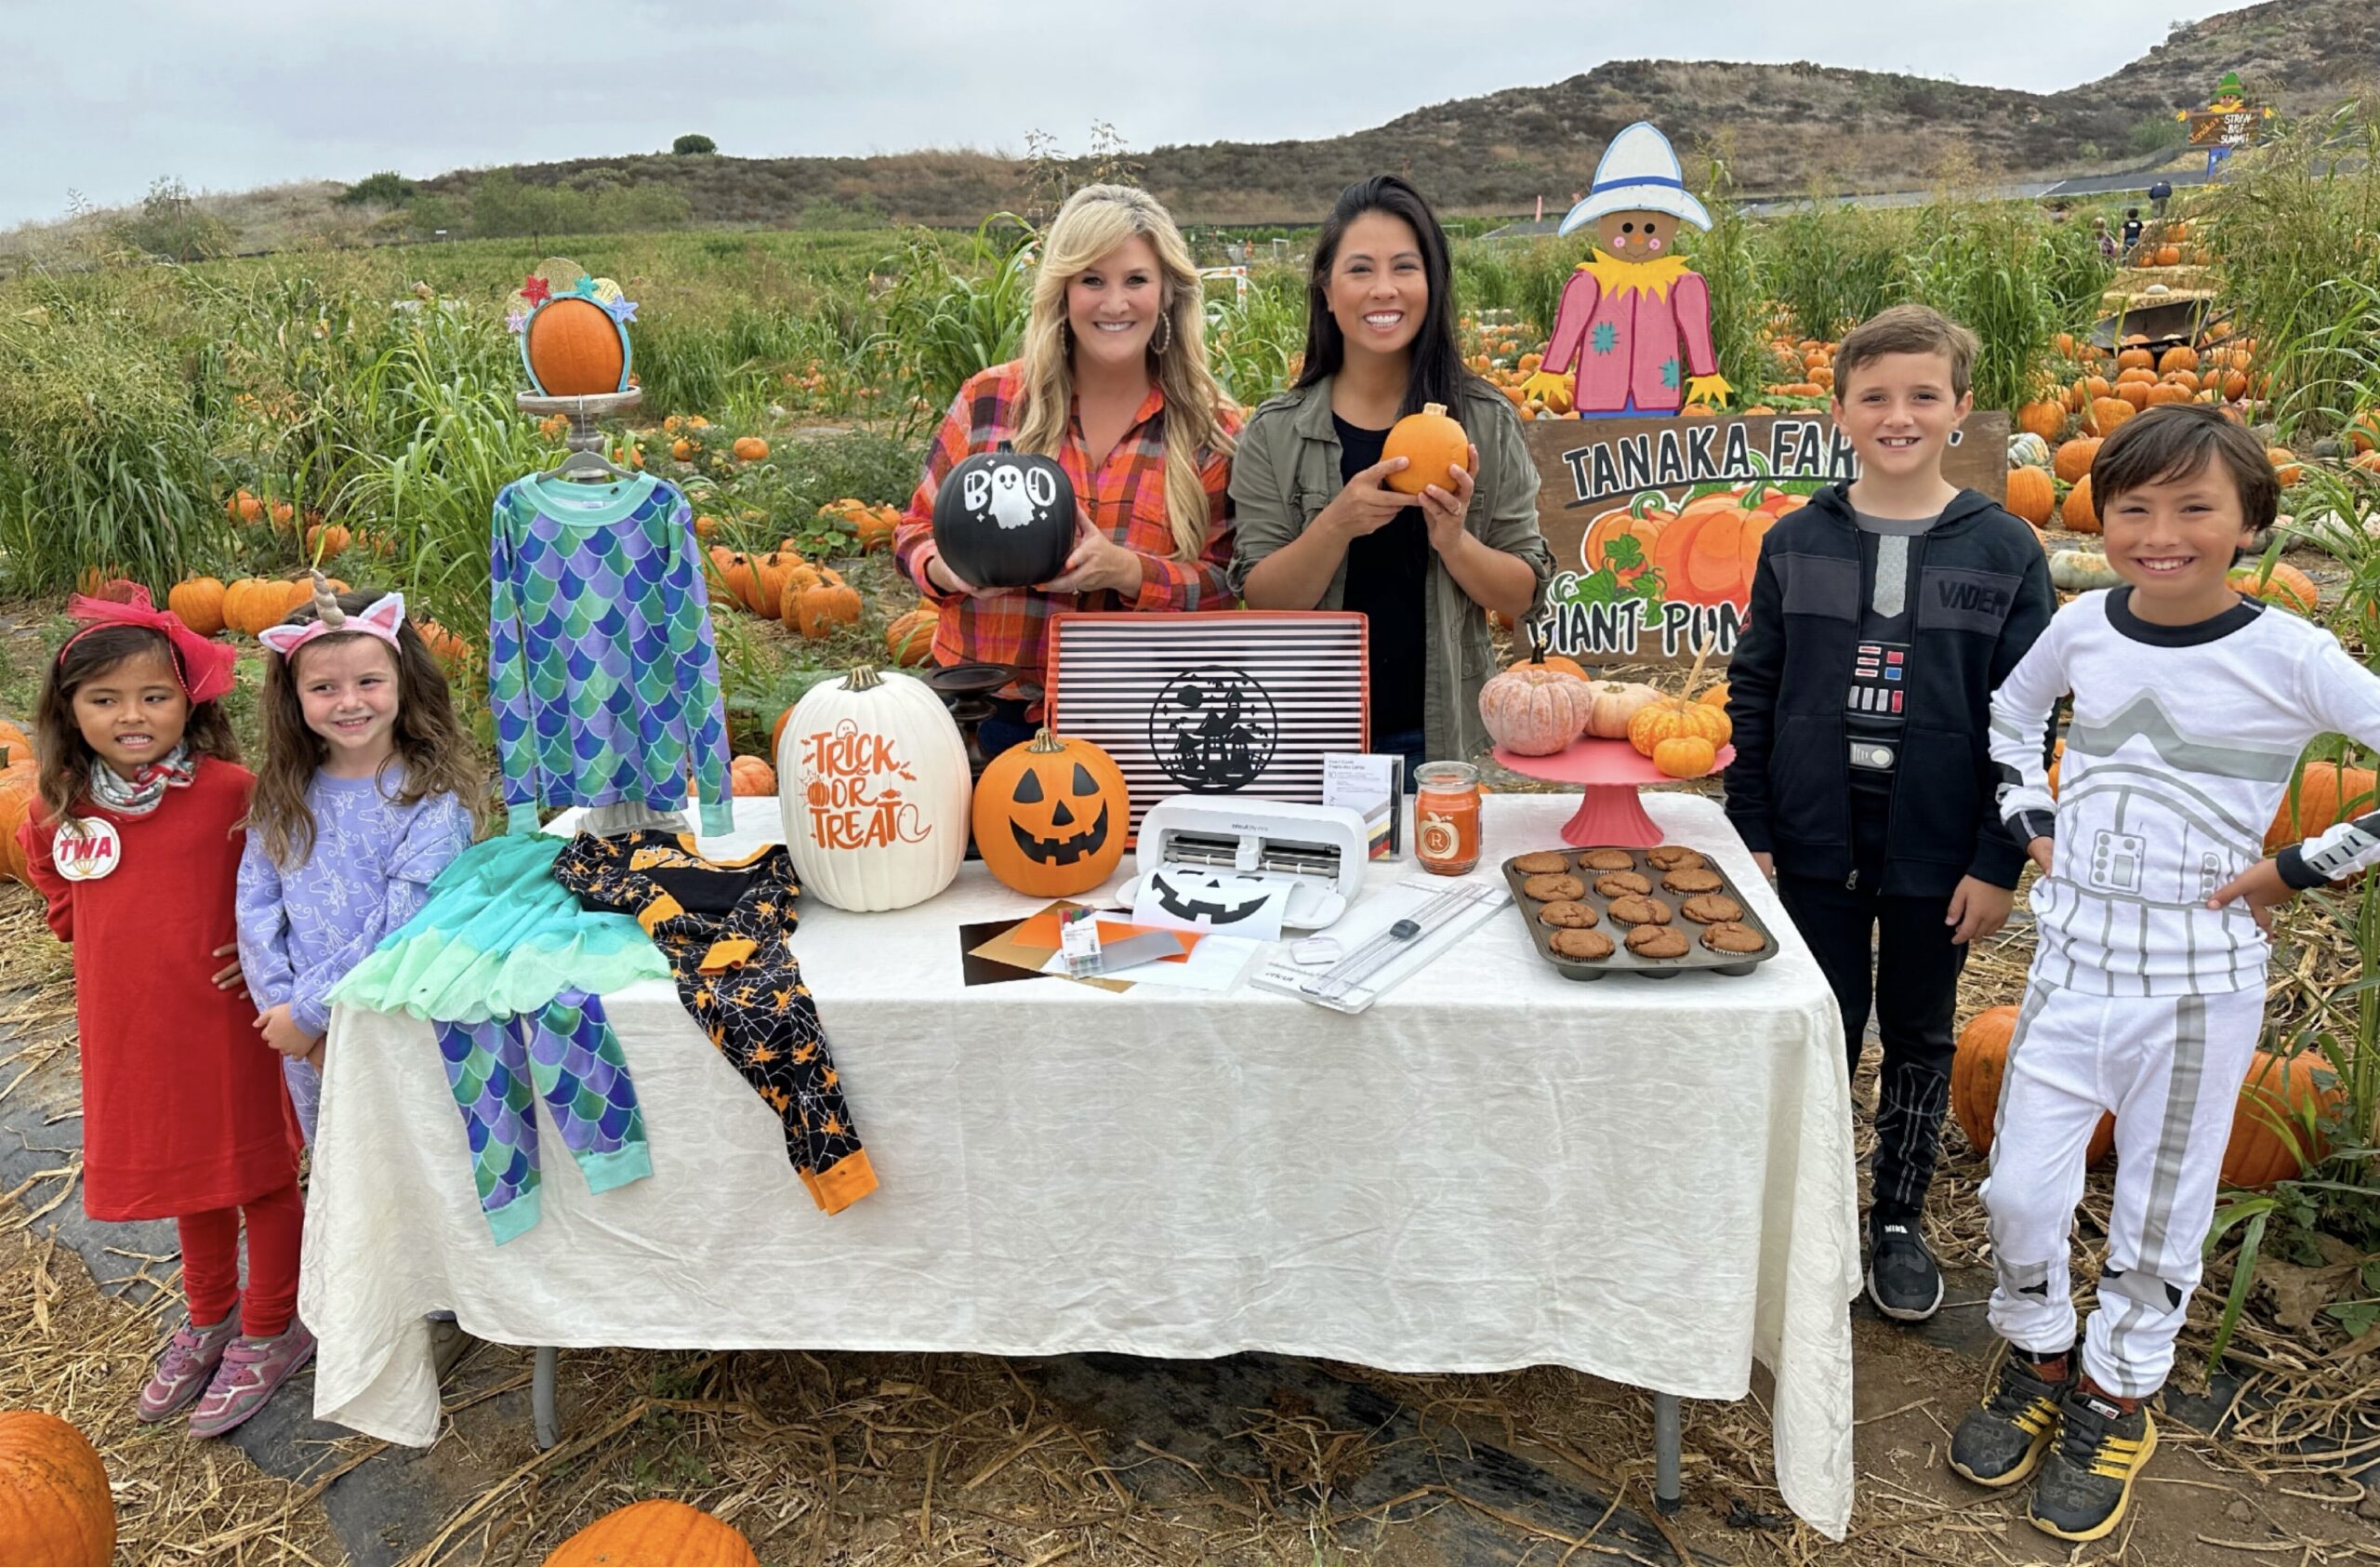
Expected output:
{"points": [[205, 665]]}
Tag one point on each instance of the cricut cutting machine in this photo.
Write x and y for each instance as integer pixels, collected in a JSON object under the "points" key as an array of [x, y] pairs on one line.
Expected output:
{"points": [[1324, 848]]}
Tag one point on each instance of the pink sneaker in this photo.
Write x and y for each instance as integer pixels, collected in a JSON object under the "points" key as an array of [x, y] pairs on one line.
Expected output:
{"points": [[252, 1368], [186, 1366]]}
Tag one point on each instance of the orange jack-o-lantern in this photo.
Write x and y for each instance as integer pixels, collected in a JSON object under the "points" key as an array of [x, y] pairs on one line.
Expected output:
{"points": [[1050, 816]]}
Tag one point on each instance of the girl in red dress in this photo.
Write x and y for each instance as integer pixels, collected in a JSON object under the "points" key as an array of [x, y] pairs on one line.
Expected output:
{"points": [[136, 843]]}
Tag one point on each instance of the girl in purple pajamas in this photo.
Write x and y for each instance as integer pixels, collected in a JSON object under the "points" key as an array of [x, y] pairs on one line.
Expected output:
{"points": [[367, 793]]}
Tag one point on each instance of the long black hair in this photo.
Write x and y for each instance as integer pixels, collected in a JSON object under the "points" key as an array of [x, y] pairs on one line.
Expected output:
{"points": [[1438, 373]]}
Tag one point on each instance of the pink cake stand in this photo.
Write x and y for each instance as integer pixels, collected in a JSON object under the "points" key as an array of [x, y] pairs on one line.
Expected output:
{"points": [[1608, 772]]}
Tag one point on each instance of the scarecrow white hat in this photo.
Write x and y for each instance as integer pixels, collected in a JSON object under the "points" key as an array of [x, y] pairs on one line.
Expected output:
{"points": [[1638, 174]]}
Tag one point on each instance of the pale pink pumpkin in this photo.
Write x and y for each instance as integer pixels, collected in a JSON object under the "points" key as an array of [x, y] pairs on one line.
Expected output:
{"points": [[1534, 711]]}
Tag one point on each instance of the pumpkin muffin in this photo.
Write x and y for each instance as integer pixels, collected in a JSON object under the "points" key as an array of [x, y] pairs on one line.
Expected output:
{"points": [[1674, 857], [1606, 859], [1623, 883], [1581, 944], [1710, 908], [1544, 862], [1728, 936], [1567, 916], [1553, 889], [1654, 941], [1637, 909], [1694, 881]]}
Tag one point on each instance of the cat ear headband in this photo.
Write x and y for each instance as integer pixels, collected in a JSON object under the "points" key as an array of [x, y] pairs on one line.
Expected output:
{"points": [[381, 618], [203, 666]]}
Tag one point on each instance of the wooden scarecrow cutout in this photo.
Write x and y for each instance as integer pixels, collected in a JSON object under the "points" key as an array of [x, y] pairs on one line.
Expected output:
{"points": [[1634, 324]]}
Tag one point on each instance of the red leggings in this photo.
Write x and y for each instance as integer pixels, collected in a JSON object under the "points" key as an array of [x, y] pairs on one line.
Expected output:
{"points": [[211, 1263]]}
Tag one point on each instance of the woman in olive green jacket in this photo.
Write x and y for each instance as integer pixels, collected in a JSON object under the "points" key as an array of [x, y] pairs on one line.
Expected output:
{"points": [[1317, 530]]}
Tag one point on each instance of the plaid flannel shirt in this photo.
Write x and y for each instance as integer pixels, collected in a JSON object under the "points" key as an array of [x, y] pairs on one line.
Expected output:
{"points": [[1125, 498]]}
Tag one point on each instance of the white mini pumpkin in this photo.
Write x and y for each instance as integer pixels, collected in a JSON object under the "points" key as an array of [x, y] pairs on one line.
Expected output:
{"points": [[872, 778], [1613, 702]]}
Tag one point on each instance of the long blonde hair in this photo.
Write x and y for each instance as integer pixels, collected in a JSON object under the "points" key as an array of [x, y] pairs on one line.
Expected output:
{"points": [[1094, 221]]}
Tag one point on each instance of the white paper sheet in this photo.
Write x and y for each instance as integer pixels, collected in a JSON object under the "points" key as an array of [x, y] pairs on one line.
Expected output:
{"points": [[1220, 901]]}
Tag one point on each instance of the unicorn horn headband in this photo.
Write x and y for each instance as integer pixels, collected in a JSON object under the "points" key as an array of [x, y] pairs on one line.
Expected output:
{"points": [[381, 618], [204, 667]]}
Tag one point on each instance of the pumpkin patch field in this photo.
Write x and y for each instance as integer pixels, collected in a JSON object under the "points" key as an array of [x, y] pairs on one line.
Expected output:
{"points": [[215, 431]]}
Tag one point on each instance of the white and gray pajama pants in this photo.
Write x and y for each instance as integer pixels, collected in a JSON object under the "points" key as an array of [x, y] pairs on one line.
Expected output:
{"points": [[2170, 1068]]}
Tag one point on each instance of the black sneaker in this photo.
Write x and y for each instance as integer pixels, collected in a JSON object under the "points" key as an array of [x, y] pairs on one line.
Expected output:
{"points": [[2086, 1481], [2002, 1441], [1902, 1279]]}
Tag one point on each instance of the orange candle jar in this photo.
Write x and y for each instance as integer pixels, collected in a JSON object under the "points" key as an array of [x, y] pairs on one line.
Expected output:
{"points": [[1445, 818]]}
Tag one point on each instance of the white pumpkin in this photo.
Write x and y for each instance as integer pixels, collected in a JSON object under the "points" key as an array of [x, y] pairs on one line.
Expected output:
{"points": [[1611, 703], [872, 778]]}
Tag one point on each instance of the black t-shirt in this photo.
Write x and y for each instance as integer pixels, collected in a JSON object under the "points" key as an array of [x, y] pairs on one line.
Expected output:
{"points": [[2131, 230], [1388, 572]]}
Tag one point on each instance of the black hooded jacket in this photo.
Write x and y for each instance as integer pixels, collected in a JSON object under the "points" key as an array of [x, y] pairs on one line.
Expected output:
{"points": [[1982, 596]]}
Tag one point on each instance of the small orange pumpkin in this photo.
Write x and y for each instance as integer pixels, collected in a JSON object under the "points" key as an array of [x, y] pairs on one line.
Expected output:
{"points": [[2277, 582], [1690, 756], [2278, 1087], [55, 1508], [2285, 466], [573, 349], [657, 1532], [1977, 1065], [1715, 696], [909, 640], [1674, 717], [749, 774], [453, 654], [2321, 794], [199, 602], [2081, 516], [1431, 444], [2046, 419], [2031, 496], [750, 448], [2072, 462], [20, 787], [816, 611]]}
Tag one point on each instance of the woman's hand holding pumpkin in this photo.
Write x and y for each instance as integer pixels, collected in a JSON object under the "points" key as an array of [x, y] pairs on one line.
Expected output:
{"points": [[1443, 506], [1097, 563], [946, 580], [1366, 504]]}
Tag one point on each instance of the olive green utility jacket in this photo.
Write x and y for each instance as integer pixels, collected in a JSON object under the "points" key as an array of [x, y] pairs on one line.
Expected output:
{"points": [[1286, 471]]}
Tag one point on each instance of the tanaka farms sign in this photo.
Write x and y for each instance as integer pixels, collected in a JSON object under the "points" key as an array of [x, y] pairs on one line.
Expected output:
{"points": [[1655, 525]]}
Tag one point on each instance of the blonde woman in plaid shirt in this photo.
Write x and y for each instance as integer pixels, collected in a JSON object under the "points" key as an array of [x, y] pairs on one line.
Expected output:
{"points": [[1113, 384]]}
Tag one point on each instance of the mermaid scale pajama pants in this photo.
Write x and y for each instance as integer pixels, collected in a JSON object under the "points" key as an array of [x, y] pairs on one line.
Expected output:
{"points": [[568, 1054], [2170, 1068]]}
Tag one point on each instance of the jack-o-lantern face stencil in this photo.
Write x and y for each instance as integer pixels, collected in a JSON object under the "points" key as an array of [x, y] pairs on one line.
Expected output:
{"points": [[1210, 897], [1048, 824]]}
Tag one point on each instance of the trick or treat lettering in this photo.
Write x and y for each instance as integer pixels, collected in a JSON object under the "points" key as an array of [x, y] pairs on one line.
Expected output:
{"points": [[853, 792]]}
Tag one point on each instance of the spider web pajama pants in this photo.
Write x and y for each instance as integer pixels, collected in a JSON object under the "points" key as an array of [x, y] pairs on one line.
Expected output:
{"points": [[568, 1052], [2170, 1068]]}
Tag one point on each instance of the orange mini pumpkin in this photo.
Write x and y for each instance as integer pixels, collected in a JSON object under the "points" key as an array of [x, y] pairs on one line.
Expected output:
{"points": [[199, 602], [1431, 444], [909, 640], [2031, 496], [2278, 1088], [2277, 582], [749, 774], [1674, 717], [1689, 756], [2080, 515], [55, 1508], [1979, 1064], [656, 1532], [750, 448], [1050, 816], [2073, 459]]}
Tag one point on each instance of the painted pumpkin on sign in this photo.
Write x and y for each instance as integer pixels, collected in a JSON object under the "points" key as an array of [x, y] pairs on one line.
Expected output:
{"points": [[1050, 816], [872, 780], [1005, 519]]}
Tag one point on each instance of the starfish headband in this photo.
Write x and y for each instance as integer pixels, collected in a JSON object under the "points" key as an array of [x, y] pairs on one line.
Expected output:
{"points": [[203, 666], [383, 617]]}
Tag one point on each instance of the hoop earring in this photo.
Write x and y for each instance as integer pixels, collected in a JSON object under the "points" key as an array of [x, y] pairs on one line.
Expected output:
{"points": [[1158, 349]]}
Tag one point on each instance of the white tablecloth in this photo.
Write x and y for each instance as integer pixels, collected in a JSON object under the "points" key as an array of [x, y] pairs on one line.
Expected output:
{"points": [[1649, 1181]]}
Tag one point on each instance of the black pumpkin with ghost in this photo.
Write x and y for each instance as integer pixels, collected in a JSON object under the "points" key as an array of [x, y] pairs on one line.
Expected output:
{"points": [[1005, 519], [1050, 816]]}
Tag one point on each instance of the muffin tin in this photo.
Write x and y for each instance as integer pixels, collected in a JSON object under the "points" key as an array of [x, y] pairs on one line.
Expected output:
{"points": [[1623, 961]]}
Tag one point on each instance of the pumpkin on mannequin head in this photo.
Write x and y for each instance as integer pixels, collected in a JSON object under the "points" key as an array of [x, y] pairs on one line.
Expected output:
{"points": [[1050, 816], [572, 347], [872, 780]]}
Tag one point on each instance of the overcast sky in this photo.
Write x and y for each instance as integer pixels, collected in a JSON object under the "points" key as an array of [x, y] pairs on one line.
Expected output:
{"points": [[105, 95]]}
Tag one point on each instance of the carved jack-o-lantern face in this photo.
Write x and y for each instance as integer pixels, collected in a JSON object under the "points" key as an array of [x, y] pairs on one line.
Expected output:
{"points": [[1216, 898], [1050, 816]]}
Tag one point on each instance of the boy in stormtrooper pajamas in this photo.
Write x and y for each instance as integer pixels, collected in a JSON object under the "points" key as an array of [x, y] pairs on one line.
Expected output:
{"points": [[2191, 706]]}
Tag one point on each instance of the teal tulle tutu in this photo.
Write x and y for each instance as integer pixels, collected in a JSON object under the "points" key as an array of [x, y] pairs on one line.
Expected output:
{"points": [[500, 938]]}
